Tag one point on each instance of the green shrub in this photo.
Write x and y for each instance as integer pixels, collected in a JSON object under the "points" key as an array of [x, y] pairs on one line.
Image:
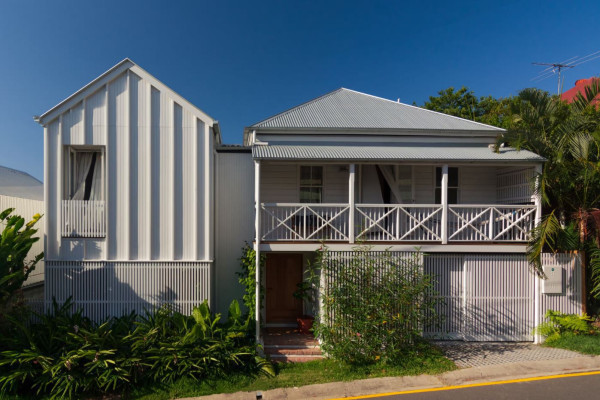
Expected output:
{"points": [[557, 324], [64, 354], [16, 240], [373, 305], [171, 345], [247, 277]]}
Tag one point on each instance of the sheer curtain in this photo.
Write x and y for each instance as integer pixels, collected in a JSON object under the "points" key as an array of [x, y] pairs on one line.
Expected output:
{"points": [[96, 192], [83, 162]]}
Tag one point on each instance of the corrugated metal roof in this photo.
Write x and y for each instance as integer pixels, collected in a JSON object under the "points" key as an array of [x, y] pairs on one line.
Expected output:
{"points": [[20, 184], [345, 108], [390, 152]]}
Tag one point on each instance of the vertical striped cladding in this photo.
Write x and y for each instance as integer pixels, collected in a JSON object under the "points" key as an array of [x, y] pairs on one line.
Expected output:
{"points": [[491, 297], [103, 289], [28, 208], [234, 222], [158, 160], [499, 298], [570, 300], [447, 272]]}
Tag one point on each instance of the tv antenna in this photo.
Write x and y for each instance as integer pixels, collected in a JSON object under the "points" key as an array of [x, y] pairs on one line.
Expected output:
{"points": [[556, 68]]}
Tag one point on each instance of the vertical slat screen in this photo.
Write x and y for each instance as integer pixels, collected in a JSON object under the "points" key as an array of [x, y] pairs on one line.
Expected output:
{"points": [[103, 289]]}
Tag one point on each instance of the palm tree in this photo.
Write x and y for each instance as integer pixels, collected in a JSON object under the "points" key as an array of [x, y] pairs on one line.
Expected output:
{"points": [[568, 136]]}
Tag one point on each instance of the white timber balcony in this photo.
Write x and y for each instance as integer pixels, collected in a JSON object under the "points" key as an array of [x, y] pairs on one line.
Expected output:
{"points": [[288, 222], [83, 219]]}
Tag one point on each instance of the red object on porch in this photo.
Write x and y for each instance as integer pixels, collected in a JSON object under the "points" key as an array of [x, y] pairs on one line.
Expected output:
{"points": [[570, 95]]}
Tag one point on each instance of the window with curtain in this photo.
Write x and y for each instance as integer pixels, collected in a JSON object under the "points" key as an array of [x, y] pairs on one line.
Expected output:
{"points": [[452, 185], [86, 180], [311, 184]]}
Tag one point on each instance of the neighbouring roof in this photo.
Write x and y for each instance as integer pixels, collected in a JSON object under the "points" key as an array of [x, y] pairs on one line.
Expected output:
{"points": [[570, 95], [20, 184], [391, 152], [348, 109]]}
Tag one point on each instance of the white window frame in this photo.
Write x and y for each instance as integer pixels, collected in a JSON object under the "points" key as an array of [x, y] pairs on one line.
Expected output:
{"points": [[70, 165]]}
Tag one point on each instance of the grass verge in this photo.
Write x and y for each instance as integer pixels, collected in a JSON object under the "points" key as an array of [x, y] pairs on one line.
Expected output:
{"points": [[430, 360], [586, 344]]}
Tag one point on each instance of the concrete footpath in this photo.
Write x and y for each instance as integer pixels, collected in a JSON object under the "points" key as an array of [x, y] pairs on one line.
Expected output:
{"points": [[489, 373]]}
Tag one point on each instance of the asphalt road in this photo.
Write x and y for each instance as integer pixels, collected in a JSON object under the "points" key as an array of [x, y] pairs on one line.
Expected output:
{"points": [[570, 388]]}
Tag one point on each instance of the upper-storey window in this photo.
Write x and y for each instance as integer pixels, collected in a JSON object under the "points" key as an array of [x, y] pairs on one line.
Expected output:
{"points": [[452, 185], [311, 184], [86, 178]]}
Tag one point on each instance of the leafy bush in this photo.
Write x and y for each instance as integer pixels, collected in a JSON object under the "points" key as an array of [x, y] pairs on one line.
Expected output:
{"points": [[558, 324], [15, 242], [172, 345], [247, 277], [65, 354], [373, 305]]}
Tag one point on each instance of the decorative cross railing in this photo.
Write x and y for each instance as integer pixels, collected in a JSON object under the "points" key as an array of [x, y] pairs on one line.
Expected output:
{"points": [[288, 222], [398, 222], [83, 218], [490, 223]]}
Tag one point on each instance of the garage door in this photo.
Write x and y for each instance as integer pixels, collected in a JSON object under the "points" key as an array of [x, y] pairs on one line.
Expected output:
{"points": [[483, 297]]}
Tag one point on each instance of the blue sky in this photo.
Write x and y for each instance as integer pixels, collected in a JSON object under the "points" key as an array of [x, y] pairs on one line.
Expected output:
{"points": [[243, 61]]}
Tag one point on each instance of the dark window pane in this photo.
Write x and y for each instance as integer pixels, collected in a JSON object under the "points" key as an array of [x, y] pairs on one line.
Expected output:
{"points": [[438, 196], [304, 175], [452, 196], [317, 175], [438, 176], [453, 177]]}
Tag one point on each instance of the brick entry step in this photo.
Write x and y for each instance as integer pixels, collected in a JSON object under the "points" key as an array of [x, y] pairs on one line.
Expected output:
{"points": [[289, 345]]}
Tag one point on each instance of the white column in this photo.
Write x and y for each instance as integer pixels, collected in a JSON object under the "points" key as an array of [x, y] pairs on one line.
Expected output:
{"points": [[537, 200], [257, 245], [444, 204], [351, 202]]}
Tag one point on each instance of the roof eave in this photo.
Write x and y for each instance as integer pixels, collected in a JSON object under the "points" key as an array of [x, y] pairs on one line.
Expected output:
{"points": [[78, 95]]}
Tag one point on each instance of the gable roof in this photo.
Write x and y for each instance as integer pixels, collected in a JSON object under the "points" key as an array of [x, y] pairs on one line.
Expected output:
{"points": [[349, 109], [107, 77], [16, 183]]}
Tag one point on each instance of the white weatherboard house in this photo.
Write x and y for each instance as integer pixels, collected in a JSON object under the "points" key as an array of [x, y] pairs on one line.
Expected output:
{"points": [[145, 206]]}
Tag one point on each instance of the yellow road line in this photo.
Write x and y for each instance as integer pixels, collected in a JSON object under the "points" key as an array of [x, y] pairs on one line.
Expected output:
{"points": [[439, 389]]}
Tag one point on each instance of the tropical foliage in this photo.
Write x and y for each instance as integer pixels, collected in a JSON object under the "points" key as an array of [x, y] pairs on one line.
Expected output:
{"points": [[568, 136], [64, 354], [374, 305], [247, 277], [15, 242]]}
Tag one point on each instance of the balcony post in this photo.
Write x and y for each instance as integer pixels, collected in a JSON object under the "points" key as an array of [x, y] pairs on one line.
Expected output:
{"points": [[257, 208], [351, 203], [444, 198]]}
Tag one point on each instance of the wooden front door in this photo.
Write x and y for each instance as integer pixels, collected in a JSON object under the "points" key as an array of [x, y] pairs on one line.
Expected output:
{"points": [[284, 272]]}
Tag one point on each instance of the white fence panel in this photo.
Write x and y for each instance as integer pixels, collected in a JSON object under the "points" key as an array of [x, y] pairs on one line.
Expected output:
{"points": [[447, 272], [83, 218], [106, 288], [499, 298]]}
